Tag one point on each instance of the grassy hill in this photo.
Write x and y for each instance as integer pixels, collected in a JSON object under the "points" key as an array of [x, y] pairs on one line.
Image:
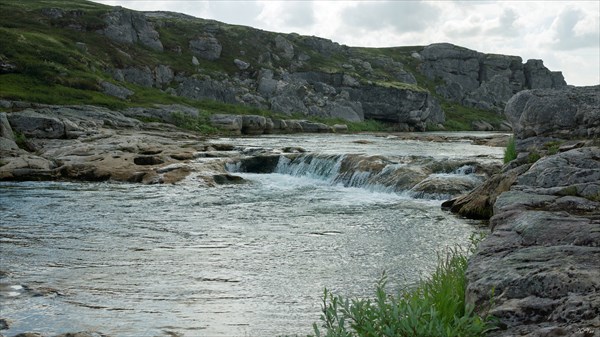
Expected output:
{"points": [[51, 52]]}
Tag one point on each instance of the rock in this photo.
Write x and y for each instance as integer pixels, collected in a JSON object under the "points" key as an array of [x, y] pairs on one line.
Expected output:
{"points": [[571, 112], [313, 127], [452, 63], [229, 123], [253, 125], [340, 128], [142, 77], [195, 61], [538, 77], [227, 179], [7, 145], [478, 204], [82, 47], [397, 105], [115, 90], [444, 186], [163, 75], [35, 125], [207, 89], [284, 47], [5, 128], [241, 64], [288, 105], [129, 27], [206, 46], [539, 262], [481, 126]]}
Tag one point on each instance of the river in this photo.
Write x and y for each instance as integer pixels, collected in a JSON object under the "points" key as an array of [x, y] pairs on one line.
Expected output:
{"points": [[233, 260]]}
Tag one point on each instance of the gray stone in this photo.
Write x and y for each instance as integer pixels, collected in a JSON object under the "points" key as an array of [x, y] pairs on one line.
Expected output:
{"points": [[207, 89], [571, 112], [206, 46], [7, 145], [195, 61], [129, 27], [224, 122], [142, 77], [284, 47], [115, 90], [82, 47], [288, 105], [253, 125], [241, 64], [481, 126], [36, 125], [163, 75], [5, 128], [537, 76], [340, 128]]}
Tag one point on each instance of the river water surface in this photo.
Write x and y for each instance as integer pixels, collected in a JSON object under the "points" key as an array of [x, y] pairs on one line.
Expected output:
{"points": [[233, 260]]}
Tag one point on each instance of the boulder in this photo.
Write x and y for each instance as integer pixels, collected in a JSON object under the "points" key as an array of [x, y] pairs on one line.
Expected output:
{"points": [[241, 65], [313, 127], [163, 75], [206, 46], [253, 125], [207, 89], [570, 112], [36, 125], [284, 47], [142, 77], [129, 27], [115, 90], [481, 126], [5, 128], [231, 123]]}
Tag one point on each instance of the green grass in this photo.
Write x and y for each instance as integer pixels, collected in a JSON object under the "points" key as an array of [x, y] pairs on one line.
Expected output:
{"points": [[436, 307], [49, 69], [510, 153], [460, 118]]}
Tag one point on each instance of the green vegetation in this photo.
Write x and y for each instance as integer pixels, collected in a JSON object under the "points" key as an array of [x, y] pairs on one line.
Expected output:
{"points": [[200, 123], [61, 59], [552, 147], [21, 141], [510, 153], [533, 157], [460, 117], [436, 307]]}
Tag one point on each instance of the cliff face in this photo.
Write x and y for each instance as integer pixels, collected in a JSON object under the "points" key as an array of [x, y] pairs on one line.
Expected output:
{"points": [[123, 53], [538, 271]]}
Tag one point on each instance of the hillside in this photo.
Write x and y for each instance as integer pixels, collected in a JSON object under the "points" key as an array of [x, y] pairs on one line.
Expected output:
{"points": [[79, 52]]}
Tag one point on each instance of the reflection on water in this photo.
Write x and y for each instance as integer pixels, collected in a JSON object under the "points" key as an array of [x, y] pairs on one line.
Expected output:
{"points": [[253, 259]]}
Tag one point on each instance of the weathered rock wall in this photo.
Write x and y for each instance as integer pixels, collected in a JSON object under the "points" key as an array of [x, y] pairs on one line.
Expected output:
{"points": [[481, 80], [538, 270]]}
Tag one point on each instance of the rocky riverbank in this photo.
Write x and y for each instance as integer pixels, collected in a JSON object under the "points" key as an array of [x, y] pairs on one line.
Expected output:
{"points": [[538, 271]]}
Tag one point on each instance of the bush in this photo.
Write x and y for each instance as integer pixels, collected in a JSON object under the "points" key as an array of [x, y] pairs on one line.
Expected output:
{"points": [[435, 308], [510, 153]]}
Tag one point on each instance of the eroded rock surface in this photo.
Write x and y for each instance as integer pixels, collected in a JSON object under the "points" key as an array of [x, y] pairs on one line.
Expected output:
{"points": [[538, 271]]}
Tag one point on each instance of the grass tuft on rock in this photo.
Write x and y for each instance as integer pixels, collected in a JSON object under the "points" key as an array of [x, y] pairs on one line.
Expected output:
{"points": [[436, 307], [510, 153]]}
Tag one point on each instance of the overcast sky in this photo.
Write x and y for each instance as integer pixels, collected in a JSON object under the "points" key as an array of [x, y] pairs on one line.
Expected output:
{"points": [[564, 34]]}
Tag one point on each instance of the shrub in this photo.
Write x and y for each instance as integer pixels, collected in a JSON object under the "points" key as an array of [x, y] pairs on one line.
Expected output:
{"points": [[510, 153], [435, 308]]}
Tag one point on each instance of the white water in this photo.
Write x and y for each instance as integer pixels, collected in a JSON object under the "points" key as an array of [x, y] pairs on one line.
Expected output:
{"points": [[236, 260]]}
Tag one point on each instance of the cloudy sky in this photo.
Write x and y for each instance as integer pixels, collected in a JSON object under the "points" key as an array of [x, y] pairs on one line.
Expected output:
{"points": [[564, 34]]}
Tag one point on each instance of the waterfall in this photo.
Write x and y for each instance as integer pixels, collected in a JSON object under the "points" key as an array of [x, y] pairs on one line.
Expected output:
{"points": [[374, 173]]}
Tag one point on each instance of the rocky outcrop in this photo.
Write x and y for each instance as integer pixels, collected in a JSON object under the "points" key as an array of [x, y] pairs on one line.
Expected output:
{"points": [[540, 263], [537, 272], [573, 112], [206, 46], [403, 106], [129, 27], [485, 81]]}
